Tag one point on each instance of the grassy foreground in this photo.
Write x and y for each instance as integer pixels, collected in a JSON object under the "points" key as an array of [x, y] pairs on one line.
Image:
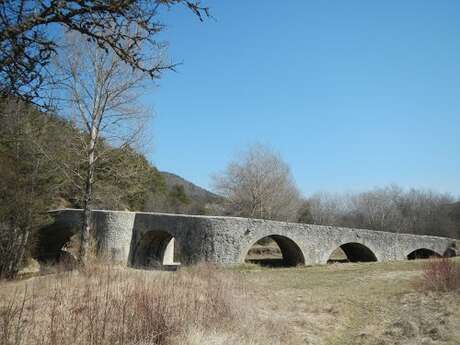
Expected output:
{"points": [[369, 304], [365, 303]]}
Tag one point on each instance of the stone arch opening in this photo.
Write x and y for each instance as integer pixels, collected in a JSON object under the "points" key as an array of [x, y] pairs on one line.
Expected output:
{"points": [[275, 251], [352, 252], [156, 249], [57, 244], [422, 253]]}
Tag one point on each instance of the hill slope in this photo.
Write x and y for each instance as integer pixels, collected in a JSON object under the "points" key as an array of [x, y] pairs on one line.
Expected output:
{"points": [[193, 191]]}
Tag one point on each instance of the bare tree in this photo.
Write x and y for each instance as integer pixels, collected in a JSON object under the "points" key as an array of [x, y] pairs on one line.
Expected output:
{"points": [[29, 31], [103, 92], [379, 209], [259, 185], [327, 209]]}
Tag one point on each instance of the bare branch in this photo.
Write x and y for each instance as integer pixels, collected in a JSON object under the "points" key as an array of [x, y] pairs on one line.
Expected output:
{"points": [[125, 28]]}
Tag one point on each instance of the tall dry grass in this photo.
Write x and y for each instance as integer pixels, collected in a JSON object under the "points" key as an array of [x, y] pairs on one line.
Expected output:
{"points": [[120, 306]]}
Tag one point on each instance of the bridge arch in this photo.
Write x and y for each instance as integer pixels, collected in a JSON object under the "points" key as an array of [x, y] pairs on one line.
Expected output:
{"points": [[52, 243], [155, 249], [291, 253], [422, 253], [353, 252]]}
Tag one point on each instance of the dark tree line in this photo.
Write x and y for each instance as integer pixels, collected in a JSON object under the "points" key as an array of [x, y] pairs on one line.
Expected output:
{"points": [[29, 179]]}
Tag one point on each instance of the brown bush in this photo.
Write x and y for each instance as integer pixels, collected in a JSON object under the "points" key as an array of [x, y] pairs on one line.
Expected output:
{"points": [[114, 306], [441, 274]]}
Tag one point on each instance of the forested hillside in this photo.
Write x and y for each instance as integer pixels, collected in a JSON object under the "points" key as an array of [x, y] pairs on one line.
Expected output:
{"points": [[198, 200]]}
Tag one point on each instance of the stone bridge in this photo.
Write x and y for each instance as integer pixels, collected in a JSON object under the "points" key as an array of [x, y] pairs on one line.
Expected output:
{"points": [[141, 239]]}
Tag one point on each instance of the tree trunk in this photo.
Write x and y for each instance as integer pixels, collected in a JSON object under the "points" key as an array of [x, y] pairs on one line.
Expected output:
{"points": [[85, 235], [21, 249], [7, 259], [87, 225]]}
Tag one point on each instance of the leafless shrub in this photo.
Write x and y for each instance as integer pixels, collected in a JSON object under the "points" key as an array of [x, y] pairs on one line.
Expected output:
{"points": [[441, 274]]}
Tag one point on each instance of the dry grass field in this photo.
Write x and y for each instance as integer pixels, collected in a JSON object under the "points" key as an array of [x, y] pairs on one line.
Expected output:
{"points": [[368, 304], [363, 303]]}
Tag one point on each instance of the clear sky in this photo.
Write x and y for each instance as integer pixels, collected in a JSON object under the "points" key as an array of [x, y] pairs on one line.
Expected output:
{"points": [[352, 94]]}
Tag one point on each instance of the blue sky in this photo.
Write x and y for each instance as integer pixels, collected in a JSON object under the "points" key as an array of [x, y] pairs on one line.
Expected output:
{"points": [[352, 94]]}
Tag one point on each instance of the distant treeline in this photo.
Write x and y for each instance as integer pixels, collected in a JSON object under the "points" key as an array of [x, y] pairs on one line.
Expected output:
{"points": [[390, 208]]}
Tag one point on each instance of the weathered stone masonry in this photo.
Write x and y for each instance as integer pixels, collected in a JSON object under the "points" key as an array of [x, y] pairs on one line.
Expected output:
{"points": [[131, 238]]}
